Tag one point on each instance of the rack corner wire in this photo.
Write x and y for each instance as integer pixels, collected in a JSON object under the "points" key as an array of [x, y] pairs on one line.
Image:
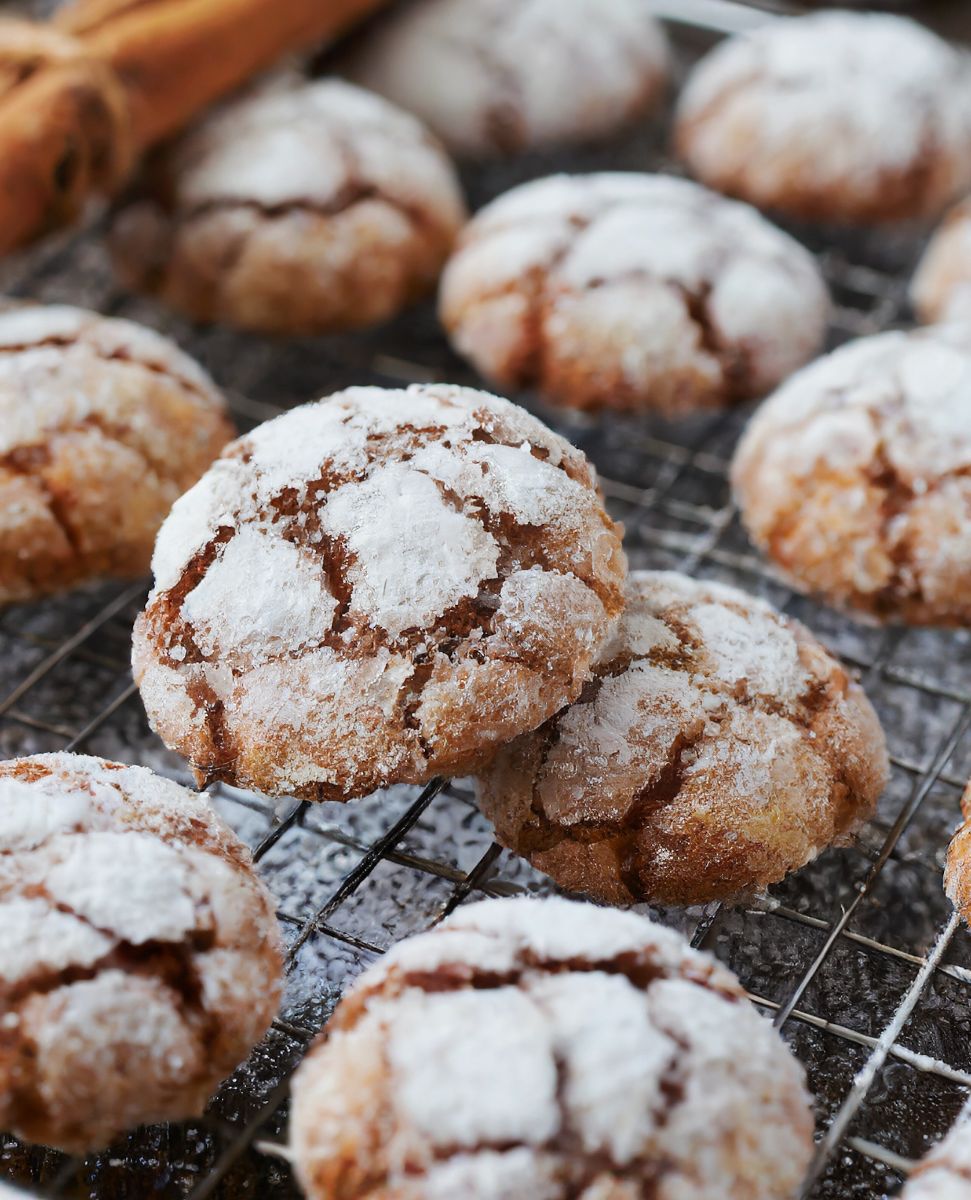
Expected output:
{"points": [[858, 957]]}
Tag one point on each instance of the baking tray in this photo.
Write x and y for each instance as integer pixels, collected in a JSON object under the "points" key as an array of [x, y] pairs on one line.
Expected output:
{"points": [[857, 958]]}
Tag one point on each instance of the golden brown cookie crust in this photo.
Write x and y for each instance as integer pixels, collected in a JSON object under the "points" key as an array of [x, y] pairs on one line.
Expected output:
{"points": [[684, 1090], [103, 424], [716, 748], [374, 589], [631, 292], [141, 959], [834, 117], [854, 477], [306, 207]]}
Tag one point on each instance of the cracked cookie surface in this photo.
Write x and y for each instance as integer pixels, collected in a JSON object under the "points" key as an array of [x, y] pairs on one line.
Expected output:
{"points": [[504, 76], [716, 748], [945, 1172], [300, 208], [140, 959], [373, 589], [835, 117], [855, 477], [632, 292], [103, 423], [548, 1049]]}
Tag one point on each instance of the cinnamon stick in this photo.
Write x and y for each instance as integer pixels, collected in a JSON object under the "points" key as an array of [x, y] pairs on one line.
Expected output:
{"points": [[83, 96]]}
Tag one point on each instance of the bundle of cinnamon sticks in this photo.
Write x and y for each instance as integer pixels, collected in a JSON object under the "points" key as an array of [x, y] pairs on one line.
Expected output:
{"points": [[82, 97]]}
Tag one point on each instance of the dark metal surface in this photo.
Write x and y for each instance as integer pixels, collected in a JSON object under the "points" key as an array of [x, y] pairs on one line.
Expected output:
{"points": [[856, 957]]}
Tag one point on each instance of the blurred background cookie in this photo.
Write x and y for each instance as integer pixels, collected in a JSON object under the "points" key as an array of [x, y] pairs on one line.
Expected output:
{"points": [[377, 588], [140, 959], [490, 76], [301, 208], [716, 748], [833, 117], [102, 425], [855, 477], [634, 292], [547, 1049], [941, 287]]}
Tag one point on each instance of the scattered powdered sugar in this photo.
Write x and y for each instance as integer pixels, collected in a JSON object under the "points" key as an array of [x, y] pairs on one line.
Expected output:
{"points": [[109, 875], [945, 1172], [599, 1058], [401, 553]]}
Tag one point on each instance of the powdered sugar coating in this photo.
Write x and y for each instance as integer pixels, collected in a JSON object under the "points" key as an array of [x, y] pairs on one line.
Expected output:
{"points": [[941, 287], [376, 588], [302, 207], [139, 955], [102, 425], [944, 1173], [548, 1049], [502, 76], [838, 116], [717, 747], [854, 477], [631, 291]]}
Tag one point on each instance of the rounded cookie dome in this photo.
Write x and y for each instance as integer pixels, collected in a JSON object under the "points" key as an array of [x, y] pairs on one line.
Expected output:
{"points": [[628, 291], [546, 1048], [304, 207], [502, 76], [140, 959], [102, 425], [837, 116], [716, 748], [941, 287], [854, 477], [373, 589]]}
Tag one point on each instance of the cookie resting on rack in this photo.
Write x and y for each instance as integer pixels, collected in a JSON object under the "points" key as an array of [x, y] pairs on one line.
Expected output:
{"points": [[839, 117], [102, 425], [941, 287], [503, 76], [945, 1172], [544, 1048], [855, 477], [373, 589], [304, 207], [631, 292], [716, 747], [140, 959]]}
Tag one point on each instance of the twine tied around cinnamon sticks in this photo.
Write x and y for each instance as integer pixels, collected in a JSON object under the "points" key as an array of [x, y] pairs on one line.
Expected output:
{"points": [[82, 97]]}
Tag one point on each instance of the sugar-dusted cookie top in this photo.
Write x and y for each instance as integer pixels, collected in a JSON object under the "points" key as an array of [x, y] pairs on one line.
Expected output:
{"points": [[376, 588]]}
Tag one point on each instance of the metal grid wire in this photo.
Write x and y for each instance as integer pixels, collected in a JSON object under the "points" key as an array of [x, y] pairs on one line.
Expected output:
{"points": [[857, 958]]}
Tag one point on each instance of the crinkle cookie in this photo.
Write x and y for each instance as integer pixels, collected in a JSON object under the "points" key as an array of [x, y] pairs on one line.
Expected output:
{"points": [[716, 748], [944, 1173], [957, 872], [835, 117], [628, 291], [140, 958], [547, 1049], [502, 76], [373, 589], [102, 425], [941, 287], [855, 477], [300, 208]]}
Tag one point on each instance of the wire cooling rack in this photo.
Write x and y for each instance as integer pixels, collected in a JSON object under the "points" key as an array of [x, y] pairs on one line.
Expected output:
{"points": [[857, 958]]}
